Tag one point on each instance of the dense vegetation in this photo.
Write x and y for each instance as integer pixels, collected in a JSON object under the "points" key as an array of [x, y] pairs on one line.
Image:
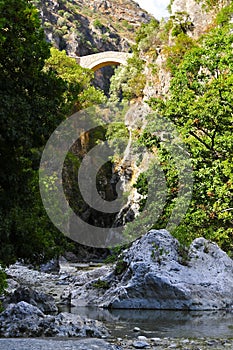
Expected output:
{"points": [[199, 104], [39, 88]]}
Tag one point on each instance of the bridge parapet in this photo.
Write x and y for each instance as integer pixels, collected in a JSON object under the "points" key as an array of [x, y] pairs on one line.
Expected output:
{"points": [[102, 59]]}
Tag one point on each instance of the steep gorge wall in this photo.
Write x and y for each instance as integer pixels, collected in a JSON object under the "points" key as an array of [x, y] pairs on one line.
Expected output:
{"points": [[82, 27], [202, 19]]}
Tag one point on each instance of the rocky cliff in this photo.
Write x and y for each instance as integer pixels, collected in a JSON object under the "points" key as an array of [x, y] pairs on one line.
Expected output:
{"points": [[196, 18], [84, 27]]}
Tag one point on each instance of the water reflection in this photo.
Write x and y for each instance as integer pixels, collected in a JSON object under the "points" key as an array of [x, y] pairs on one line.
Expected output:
{"points": [[163, 323]]}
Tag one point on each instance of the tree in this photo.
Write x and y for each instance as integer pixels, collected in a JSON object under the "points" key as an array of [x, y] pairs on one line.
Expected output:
{"points": [[32, 105], [200, 105], [79, 92], [128, 81]]}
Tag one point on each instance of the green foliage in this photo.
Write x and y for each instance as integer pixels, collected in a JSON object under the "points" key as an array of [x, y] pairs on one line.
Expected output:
{"points": [[32, 105], [3, 283], [147, 37], [210, 4], [120, 267], [128, 81], [115, 252], [79, 92], [39, 88], [97, 24], [224, 16], [100, 284], [118, 136], [183, 253], [200, 106], [166, 28], [181, 23], [157, 253], [127, 25], [175, 53]]}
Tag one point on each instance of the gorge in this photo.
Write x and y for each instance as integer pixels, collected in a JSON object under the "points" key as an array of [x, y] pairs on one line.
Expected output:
{"points": [[170, 91]]}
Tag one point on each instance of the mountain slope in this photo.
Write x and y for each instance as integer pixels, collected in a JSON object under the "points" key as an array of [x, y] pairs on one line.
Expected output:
{"points": [[83, 27]]}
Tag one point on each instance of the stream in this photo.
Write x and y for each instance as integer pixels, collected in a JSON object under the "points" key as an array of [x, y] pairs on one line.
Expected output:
{"points": [[162, 323]]}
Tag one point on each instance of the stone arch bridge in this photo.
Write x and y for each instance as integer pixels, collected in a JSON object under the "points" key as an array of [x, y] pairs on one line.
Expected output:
{"points": [[102, 59]]}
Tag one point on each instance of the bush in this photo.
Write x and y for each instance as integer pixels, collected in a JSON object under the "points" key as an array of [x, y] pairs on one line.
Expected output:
{"points": [[3, 283], [97, 24]]}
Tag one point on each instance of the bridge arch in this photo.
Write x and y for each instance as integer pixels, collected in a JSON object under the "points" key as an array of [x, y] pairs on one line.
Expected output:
{"points": [[102, 59]]}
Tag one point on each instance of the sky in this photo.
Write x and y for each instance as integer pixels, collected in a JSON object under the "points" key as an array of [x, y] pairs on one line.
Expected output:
{"points": [[155, 7]]}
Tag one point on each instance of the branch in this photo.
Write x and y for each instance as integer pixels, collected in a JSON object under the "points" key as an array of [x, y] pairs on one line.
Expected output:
{"points": [[200, 140]]}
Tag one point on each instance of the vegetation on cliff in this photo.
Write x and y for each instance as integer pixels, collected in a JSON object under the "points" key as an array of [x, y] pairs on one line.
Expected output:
{"points": [[199, 105], [82, 27]]}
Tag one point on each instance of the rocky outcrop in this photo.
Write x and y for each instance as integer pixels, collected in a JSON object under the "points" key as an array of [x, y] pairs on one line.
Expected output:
{"points": [[51, 344], [56, 285], [85, 27], [25, 320], [200, 17], [46, 303], [199, 13], [156, 272]]}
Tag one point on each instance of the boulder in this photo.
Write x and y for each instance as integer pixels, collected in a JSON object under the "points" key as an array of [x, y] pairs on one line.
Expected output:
{"points": [[156, 272], [25, 320], [44, 302], [50, 266]]}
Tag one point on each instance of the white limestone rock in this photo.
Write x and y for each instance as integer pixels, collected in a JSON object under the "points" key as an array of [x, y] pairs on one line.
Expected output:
{"points": [[25, 320], [157, 273]]}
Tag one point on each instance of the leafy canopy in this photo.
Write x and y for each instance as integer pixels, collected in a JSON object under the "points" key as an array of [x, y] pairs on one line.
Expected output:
{"points": [[79, 92], [200, 105]]}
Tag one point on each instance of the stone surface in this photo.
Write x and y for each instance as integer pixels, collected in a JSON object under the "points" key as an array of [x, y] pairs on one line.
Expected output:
{"points": [[40, 344], [76, 28], [199, 15], [44, 302], [50, 266], [25, 320], [141, 344], [114, 344], [158, 273]]}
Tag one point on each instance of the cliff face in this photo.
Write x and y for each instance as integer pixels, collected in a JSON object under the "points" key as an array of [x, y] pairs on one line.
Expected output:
{"points": [[198, 18], [84, 27]]}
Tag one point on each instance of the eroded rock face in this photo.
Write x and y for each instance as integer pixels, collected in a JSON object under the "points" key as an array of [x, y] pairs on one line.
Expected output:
{"points": [[157, 273], [90, 26], [199, 16], [44, 302], [25, 320]]}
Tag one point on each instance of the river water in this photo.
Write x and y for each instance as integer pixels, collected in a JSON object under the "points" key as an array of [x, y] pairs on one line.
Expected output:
{"points": [[160, 323], [152, 323]]}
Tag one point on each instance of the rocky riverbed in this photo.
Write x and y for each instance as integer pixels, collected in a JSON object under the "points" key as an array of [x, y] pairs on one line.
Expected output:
{"points": [[155, 272], [117, 344]]}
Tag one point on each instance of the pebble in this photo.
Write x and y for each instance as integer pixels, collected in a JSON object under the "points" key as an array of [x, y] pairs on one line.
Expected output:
{"points": [[136, 329], [156, 340], [141, 345], [142, 338]]}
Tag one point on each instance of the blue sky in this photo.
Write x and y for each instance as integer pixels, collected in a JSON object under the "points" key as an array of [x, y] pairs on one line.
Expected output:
{"points": [[155, 7]]}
